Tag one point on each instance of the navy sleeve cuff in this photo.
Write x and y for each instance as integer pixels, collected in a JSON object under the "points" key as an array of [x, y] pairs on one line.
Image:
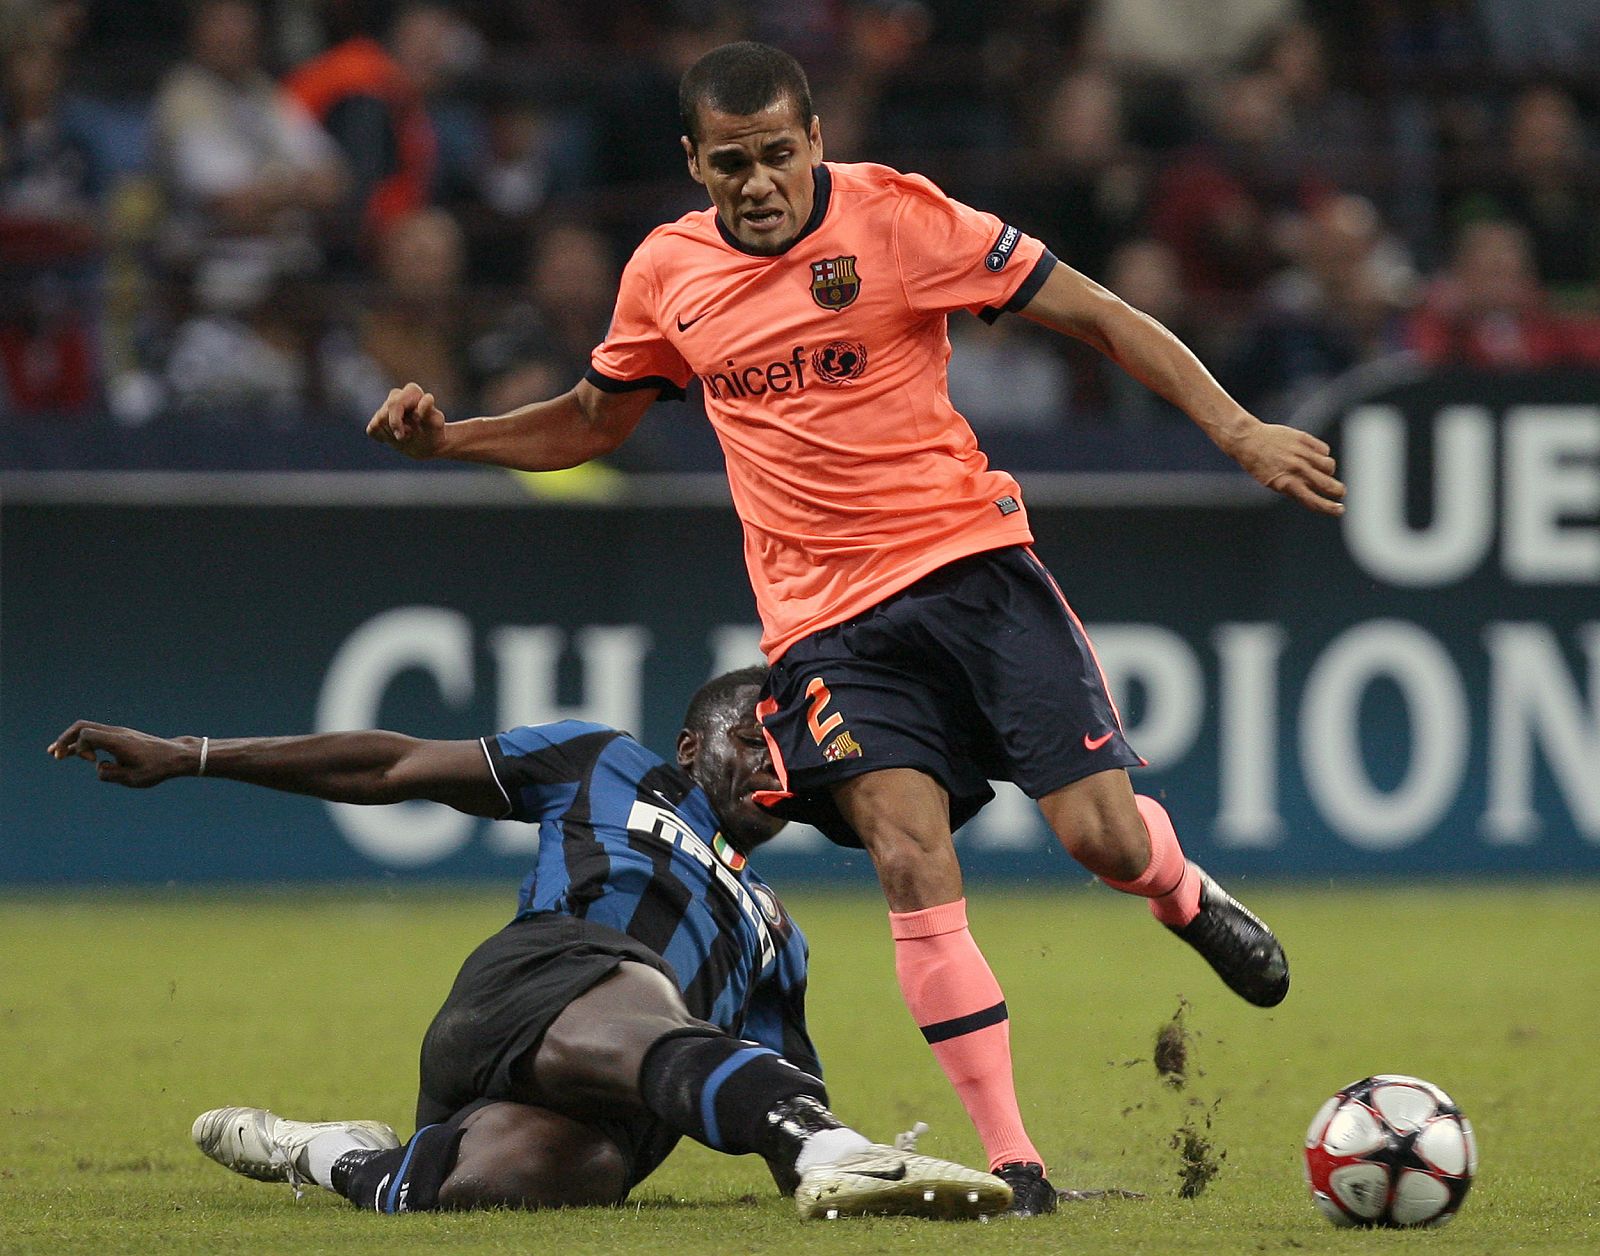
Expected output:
{"points": [[668, 390], [1026, 291]]}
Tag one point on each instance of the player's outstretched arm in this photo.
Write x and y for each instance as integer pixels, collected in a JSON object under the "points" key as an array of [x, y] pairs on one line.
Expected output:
{"points": [[364, 767], [564, 431], [1285, 459]]}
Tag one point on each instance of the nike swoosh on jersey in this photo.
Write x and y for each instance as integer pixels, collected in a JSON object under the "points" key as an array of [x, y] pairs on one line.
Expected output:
{"points": [[1094, 743], [683, 326]]}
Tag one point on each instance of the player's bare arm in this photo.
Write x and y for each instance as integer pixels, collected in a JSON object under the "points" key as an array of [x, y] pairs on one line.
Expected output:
{"points": [[1285, 459], [552, 435], [359, 767]]}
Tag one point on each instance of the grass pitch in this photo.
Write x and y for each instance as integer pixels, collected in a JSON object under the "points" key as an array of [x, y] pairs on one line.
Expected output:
{"points": [[123, 1016]]}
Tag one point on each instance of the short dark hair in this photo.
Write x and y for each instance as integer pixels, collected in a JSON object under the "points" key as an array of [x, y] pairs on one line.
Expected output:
{"points": [[741, 78], [717, 694]]}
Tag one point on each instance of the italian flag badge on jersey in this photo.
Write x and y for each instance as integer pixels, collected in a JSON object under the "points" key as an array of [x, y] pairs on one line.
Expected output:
{"points": [[727, 853]]}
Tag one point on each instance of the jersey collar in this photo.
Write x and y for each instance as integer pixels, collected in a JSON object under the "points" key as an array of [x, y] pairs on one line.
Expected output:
{"points": [[822, 189]]}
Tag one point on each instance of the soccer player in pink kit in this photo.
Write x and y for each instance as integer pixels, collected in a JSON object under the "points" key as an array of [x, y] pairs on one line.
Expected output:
{"points": [[917, 648]]}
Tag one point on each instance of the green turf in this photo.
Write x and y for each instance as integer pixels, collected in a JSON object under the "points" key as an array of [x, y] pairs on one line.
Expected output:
{"points": [[123, 1016]]}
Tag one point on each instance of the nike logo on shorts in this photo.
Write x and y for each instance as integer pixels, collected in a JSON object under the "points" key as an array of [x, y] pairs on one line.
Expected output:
{"points": [[1094, 743]]}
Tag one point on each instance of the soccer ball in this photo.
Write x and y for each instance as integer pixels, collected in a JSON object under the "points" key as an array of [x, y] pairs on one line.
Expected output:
{"points": [[1390, 1150]]}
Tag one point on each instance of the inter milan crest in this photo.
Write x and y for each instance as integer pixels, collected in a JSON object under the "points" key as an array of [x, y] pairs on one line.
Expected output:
{"points": [[834, 283], [768, 902]]}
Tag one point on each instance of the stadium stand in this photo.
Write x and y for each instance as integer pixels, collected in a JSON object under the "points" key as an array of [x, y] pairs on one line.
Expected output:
{"points": [[1299, 188]]}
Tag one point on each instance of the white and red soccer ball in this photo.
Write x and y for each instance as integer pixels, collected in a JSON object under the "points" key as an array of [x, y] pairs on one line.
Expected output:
{"points": [[1390, 1150]]}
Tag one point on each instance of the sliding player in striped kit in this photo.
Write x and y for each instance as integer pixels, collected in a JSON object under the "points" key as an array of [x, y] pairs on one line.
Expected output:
{"points": [[651, 985], [918, 648]]}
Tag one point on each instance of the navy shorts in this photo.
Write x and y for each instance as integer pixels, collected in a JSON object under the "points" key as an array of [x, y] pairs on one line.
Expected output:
{"points": [[509, 991], [979, 671]]}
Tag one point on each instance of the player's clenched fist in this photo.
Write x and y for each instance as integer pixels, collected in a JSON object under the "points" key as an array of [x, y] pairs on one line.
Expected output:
{"points": [[409, 420]]}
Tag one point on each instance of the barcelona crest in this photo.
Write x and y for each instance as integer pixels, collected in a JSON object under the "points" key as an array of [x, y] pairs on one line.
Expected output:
{"points": [[834, 283], [844, 746]]}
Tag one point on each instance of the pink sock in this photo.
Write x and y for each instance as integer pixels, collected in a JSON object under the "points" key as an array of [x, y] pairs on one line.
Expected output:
{"points": [[1169, 880], [957, 1003]]}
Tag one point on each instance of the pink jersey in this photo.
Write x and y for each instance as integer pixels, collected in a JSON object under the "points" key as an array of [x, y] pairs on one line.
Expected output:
{"points": [[824, 371]]}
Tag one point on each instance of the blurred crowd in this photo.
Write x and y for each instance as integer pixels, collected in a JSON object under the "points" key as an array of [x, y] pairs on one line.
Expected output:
{"points": [[257, 215]]}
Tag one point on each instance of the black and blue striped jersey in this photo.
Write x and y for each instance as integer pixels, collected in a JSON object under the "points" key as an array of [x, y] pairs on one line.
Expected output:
{"points": [[630, 841]]}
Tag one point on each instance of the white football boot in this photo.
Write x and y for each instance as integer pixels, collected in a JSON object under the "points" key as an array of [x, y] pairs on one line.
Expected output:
{"points": [[271, 1148], [887, 1181]]}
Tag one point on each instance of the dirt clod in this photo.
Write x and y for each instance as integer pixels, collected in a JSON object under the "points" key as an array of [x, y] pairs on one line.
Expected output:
{"points": [[1198, 1160], [1172, 1049]]}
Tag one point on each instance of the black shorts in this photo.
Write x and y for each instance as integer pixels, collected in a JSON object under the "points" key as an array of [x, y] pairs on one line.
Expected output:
{"points": [[979, 671], [507, 994]]}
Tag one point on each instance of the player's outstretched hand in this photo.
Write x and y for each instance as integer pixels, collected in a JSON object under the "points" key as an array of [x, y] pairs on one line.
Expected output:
{"points": [[1293, 463], [138, 760], [410, 421]]}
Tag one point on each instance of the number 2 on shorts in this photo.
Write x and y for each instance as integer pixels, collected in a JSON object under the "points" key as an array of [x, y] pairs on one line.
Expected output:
{"points": [[817, 691]]}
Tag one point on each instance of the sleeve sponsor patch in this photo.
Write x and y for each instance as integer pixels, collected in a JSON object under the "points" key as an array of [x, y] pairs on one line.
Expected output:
{"points": [[1005, 244]]}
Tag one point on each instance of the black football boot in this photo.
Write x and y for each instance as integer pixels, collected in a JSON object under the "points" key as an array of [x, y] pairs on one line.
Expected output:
{"points": [[1245, 953], [1031, 1192]]}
